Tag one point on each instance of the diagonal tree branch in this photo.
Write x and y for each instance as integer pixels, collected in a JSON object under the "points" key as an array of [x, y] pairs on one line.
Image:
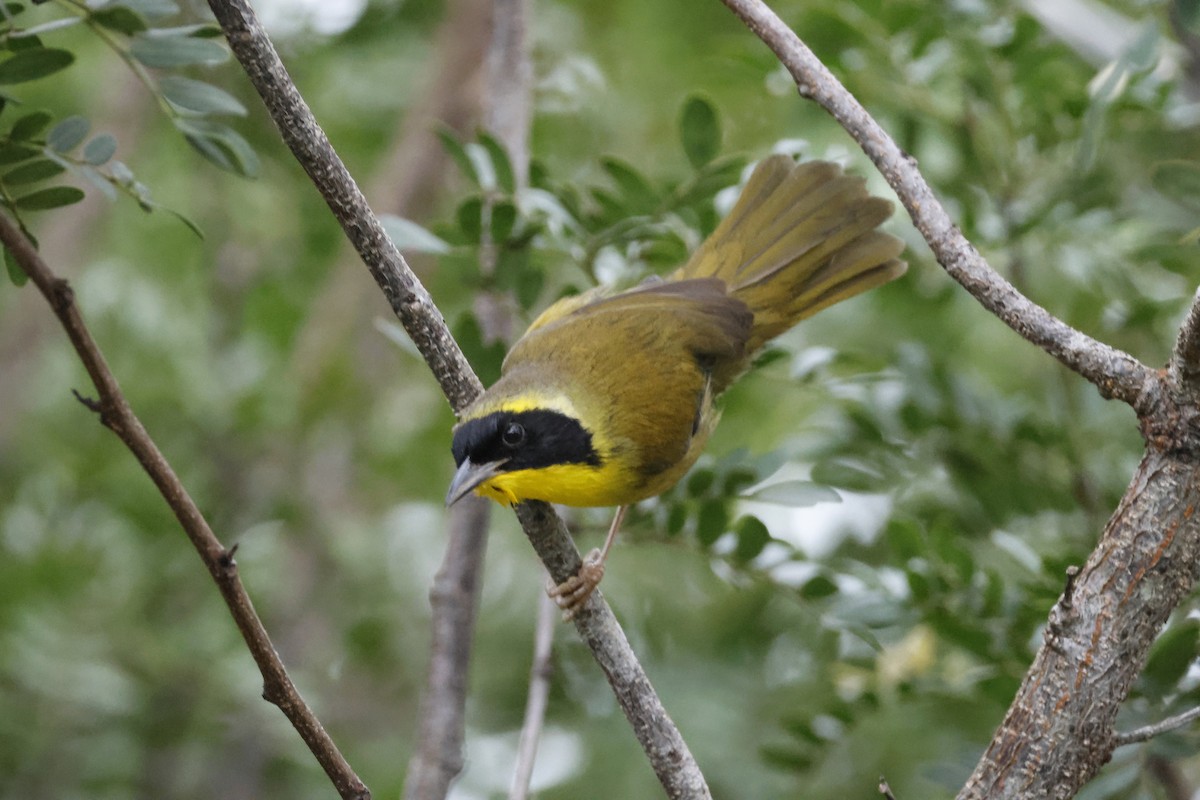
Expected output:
{"points": [[117, 416], [665, 748], [1060, 729], [1116, 374]]}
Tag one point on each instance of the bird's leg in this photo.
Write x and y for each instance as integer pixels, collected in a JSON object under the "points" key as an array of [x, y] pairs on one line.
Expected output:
{"points": [[571, 594]]}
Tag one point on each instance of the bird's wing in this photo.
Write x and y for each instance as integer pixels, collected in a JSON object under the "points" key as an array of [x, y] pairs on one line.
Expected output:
{"points": [[640, 361], [671, 320]]}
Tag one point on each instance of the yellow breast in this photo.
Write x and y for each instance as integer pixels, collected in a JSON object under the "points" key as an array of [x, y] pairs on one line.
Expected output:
{"points": [[566, 484]]}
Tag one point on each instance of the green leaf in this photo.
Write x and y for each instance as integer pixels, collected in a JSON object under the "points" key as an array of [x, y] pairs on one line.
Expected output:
{"points": [[905, 537], [67, 135], [712, 178], [738, 479], [484, 357], [120, 18], [408, 236], [32, 172], [529, 287], [711, 522], [636, 190], [797, 494], [100, 149], [501, 164], [200, 97], [176, 51], [30, 125], [221, 145], [817, 587], [28, 65], [504, 218], [846, 474], [17, 45], [54, 197], [15, 273], [12, 152], [701, 481], [752, 537], [458, 154], [699, 131], [676, 519], [470, 219]]}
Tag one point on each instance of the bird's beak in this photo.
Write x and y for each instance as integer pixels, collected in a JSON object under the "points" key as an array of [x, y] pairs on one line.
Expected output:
{"points": [[469, 476]]}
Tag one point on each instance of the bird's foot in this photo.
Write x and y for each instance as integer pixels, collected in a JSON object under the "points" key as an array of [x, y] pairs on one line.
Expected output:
{"points": [[571, 594]]}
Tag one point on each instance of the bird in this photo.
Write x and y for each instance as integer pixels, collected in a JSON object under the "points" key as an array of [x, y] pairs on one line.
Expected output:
{"points": [[608, 398]]}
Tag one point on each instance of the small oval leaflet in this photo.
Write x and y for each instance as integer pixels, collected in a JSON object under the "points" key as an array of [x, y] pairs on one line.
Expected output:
{"points": [[29, 65], [408, 236], [797, 494], [699, 131], [176, 51], [30, 125], [67, 134], [54, 197], [100, 149], [200, 97], [32, 172]]}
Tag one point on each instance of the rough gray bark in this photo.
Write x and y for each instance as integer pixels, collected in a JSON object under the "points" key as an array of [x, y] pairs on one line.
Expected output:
{"points": [[1059, 730]]}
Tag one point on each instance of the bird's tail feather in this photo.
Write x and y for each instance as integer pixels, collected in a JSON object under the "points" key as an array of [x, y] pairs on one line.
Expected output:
{"points": [[800, 238]]}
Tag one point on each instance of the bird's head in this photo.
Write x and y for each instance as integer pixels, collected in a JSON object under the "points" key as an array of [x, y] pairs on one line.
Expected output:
{"points": [[521, 449]]}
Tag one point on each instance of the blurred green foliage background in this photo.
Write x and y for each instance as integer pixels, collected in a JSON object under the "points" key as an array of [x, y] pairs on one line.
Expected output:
{"points": [[804, 647]]}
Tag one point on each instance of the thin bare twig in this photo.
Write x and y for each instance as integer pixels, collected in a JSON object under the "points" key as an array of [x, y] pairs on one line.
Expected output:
{"points": [[1116, 374], [660, 739], [1148, 732], [454, 598], [116, 414], [539, 692]]}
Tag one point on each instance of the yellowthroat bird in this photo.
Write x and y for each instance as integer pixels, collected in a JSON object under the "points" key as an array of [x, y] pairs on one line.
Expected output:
{"points": [[608, 397]]}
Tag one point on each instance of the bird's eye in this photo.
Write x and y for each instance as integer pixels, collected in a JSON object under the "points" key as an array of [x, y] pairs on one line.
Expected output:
{"points": [[513, 435]]}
